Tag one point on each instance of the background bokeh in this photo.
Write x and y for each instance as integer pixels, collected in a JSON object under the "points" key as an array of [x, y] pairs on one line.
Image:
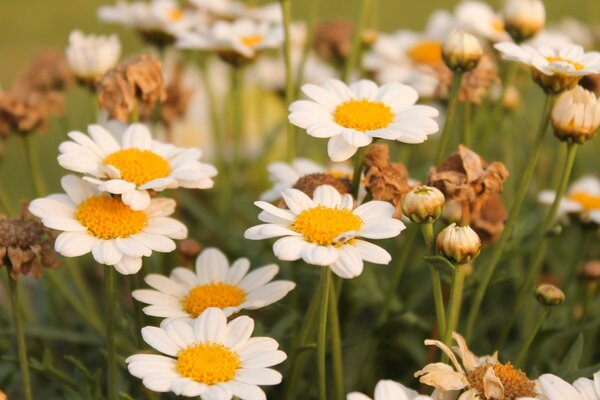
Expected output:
{"points": [[27, 26]]}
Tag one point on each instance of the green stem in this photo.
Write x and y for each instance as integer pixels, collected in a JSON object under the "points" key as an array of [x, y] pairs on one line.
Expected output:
{"points": [[452, 103], [111, 300], [20, 335], [359, 162], [322, 332], [542, 242], [214, 114], [507, 80], [500, 246], [336, 346], [237, 93], [456, 294], [310, 24], [33, 164], [467, 131], [591, 287], [136, 283], [521, 356], [436, 282], [286, 10], [5, 203], [355, 50]]}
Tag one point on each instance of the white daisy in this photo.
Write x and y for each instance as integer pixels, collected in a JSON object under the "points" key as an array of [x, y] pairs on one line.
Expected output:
{"points": [[215, 284], [478, 18], [90, 56], [351, 116], [115, 234], [284, 176], [555, 388], [389, 390], [208, 357], [325, 230], [554, 69], [242, 37], [582, 199], [234, 9], [135, 165]]}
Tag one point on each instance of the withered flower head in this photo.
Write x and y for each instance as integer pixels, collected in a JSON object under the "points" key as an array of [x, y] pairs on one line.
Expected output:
{"points": [[26, 245], [308, 183], [333, 40], [47, 71], [23, 112], [475, 84], [177, 98], [384, 180], [135, 83]]}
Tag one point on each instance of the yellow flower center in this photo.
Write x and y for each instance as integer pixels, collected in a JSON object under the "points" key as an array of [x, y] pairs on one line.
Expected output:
{"points": [[576, 65], [588, 202], [108, 218], [138, 166], [339, 174], [322, 225], [498, 25], [428, 53], [175, 15], [208, 363], [252, 40], [515, 382], [214, 294], [363, 115]]}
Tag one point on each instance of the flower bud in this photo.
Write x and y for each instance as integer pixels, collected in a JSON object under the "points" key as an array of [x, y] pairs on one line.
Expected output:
{"points": [[423, 204], [549, 295], [591, 270], [459, 244], [189, 248], [576, 115], [90, 56], [524, 18], [461, 51]]}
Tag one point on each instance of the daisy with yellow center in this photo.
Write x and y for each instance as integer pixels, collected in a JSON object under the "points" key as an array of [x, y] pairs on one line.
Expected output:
{"points": [[554, 69], [235, 9], [555, 388], [481, 378], [352, 116], [113, 232], [208, 357], [134, 165], [214, 284], [243, 37], [326, 230], [389, 390], [582, 200]]}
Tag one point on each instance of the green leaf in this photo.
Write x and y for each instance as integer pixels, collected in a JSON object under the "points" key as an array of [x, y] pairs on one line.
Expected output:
{"points": [[571, 360], [441, 263]]}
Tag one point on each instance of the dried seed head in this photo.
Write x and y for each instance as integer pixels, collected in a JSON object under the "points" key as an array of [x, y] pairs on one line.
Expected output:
{"points": [[177, 98], [23, 112], [461, 51], [333, 40], [423, 204], [308, 183], [48, 71], [26, 246], [514, 382], [549, 295], [459, 244]]}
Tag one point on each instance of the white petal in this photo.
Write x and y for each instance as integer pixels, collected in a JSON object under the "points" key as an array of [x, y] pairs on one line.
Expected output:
{"points": [[349, 264], [211, 326], [258, 277], [211, 266], [238, 332], [159, 340], [259, 376]]}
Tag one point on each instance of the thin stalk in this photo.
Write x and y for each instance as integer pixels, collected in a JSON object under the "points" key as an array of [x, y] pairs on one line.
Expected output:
{"points": [[215, 121], [436, 282], [591, 287], [522, 354], [286, 11], [322, 332], [32, 162], [359, 162], [310, 24], [542, 242], [20, 335], [355, 50], [467, 131], [111, 364], [135, 282], [5, 203], [507, 80], [237, 93], [500, 246], [456, 294], [336, 346], [452, 103]]}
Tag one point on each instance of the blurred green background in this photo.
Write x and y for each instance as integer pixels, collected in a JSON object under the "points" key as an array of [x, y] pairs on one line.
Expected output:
{"points": [[28, 26]]}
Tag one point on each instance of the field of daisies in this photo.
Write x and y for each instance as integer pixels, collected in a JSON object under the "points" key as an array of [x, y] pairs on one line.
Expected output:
{"points": [[254, 204]]}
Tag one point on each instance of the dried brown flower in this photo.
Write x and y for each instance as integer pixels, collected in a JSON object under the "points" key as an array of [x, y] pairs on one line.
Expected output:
{"points": [[26, 246], [47, 71], [466, 178], [23, 112], [333, 40], [135, 83], [384, 180], [308, 183], [177, 98]]}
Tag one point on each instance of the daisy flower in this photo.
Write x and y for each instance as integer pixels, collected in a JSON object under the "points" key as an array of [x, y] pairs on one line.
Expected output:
{"points": [[582, 199], [325, 230], [478, 18], [243, 37], [284, 176], [114, 233], [555, 70], [90, 56], [234, 9], [481, 378], [352, 116], [389, 390], [555, 388], [134, 165], [208, 357], [215, 284]]}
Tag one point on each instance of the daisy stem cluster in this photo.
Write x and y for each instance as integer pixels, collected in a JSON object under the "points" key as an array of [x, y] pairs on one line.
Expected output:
{"points": [[355, 50], [515, 209], [336, 345], [111, 356], [20, 336], [454, 303], [325, 283], [286, 11], [524, 350], [542, 243], [451, 111]]}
